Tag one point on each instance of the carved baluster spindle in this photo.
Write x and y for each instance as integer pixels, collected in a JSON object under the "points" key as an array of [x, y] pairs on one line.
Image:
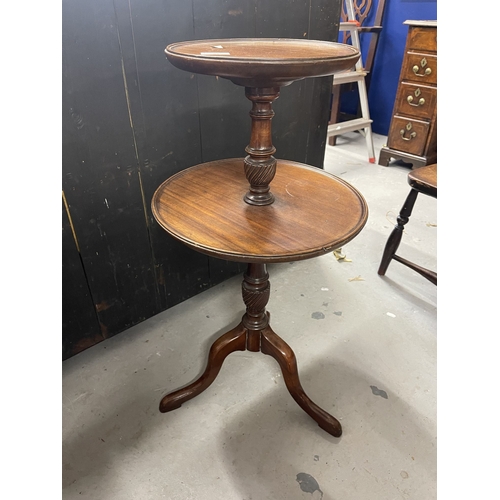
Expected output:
{"points": [[396, 235], [256, 290], [260, 164]]}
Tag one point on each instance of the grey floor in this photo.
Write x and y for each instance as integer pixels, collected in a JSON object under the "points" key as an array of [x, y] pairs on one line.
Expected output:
{"points": [[366, 350]]}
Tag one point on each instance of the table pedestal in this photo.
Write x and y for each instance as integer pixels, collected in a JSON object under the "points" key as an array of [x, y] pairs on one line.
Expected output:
{"points": [[254, 334]]}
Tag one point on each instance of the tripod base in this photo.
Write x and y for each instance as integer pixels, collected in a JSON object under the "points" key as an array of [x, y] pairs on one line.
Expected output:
{"points": [[270, 344]]}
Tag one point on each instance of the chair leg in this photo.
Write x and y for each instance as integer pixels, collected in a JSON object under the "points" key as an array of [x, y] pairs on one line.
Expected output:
{"points": [[395, 238]]}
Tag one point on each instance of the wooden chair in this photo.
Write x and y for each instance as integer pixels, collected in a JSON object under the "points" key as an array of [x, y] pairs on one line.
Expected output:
{"points": [[422, 180], [354, 14]]}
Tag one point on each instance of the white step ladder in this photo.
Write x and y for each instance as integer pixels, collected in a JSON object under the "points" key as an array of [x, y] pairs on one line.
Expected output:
{"points": [[357, 74]]}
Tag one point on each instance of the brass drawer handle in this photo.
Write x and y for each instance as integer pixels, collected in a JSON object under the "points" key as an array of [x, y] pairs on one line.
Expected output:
{"points": [[403, 131], [423, 64], [421, 101], [427, 71]]}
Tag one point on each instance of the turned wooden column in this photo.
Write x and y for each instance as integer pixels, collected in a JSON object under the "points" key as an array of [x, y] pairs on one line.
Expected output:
{"points": [[260, 164], [256, 290]]}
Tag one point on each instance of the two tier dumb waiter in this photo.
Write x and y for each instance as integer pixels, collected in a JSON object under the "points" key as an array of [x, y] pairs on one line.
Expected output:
{"points": [[257, 209]]}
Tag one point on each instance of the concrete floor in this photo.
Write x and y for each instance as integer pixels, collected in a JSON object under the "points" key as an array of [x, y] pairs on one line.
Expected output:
{"points": [[366, 351]]}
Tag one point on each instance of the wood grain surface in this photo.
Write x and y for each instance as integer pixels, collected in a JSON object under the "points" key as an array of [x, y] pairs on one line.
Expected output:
{"points": [[255, 62], [314, 212], [424, 179]]}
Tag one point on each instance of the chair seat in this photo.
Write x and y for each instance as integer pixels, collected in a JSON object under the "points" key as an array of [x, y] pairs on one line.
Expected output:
{"points": [[424, 180]]}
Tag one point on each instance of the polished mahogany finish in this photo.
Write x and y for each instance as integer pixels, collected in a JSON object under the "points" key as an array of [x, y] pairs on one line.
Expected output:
{"points": [[260, 164], [253, 333], [262, 62], [422, 180], [225, 208], [314, 212], [262, 66], [412, 133]]}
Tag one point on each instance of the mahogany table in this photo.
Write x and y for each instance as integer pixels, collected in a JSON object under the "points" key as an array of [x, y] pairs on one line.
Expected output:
{"points": [[257, 209]]}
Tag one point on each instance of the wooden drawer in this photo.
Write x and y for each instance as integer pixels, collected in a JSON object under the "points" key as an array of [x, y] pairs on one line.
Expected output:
{"points": [[412, 135], [419, 67], [417, 101], [422, 39], [408, 135]]}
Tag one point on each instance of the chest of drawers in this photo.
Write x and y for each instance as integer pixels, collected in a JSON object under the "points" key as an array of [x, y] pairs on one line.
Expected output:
{"points": [[413, 130]]}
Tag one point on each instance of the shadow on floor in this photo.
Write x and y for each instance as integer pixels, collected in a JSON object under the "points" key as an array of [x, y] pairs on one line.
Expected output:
{"points": [[104, 438], [267, 444], [263, 446]]}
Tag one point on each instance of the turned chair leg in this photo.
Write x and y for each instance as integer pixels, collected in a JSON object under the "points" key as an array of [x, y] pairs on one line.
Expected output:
{"points": [[394, 240]]}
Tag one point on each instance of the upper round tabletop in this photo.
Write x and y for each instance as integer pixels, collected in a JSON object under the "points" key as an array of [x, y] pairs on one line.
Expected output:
{"points": [[262, 62], [313, 213]]}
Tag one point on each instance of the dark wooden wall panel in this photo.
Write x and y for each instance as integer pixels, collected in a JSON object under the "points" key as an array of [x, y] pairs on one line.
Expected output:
{"points": [[80, 324], [131, 120], [324, 25], [166, 126], [100, 168]]}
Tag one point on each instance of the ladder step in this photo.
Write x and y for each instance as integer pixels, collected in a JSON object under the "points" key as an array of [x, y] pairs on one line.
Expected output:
{"points": [[347, 126], [349, 76]]}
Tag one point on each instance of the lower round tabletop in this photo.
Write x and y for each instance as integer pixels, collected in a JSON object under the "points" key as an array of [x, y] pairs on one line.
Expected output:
{"points": [[314, 212]]}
